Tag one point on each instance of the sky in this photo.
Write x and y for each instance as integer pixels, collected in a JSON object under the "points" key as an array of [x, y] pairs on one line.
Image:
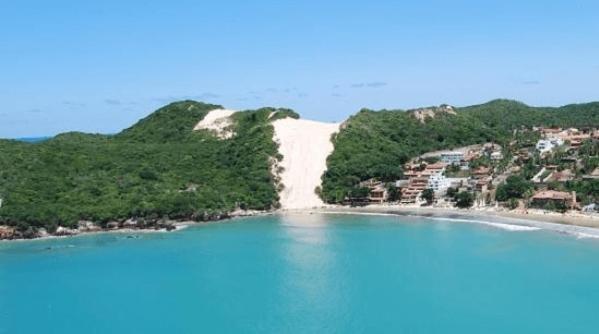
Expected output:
{"points": [[99, 66]]}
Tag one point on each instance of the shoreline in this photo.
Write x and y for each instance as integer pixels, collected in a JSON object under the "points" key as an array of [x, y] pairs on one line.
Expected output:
{"points": [[579, 225], [576, 224], [177, 226]]}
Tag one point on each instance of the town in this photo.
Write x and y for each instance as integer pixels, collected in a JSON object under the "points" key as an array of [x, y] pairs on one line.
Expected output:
{"points": [[552, 169]]}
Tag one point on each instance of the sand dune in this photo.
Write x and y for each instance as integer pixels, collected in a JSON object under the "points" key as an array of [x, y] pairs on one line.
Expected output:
{"points": [[217, 121], [305, 146]]}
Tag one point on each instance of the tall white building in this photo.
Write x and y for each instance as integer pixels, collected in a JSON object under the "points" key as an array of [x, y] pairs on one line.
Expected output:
{"points": [[438, 182]]}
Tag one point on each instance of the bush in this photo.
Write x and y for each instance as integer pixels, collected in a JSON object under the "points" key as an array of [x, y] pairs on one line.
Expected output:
{"points": [[512, 203], [514, 187], [464, 199], [428, 195]]}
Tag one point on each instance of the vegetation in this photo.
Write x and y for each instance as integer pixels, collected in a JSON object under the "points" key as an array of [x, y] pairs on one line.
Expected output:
{"points": [[428, 195], [514, 187], [375, 144], [464, 199], [159, 168]]}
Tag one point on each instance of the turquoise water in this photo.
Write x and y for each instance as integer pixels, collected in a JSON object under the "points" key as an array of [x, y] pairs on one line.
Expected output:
{"points": [[304, 274]]}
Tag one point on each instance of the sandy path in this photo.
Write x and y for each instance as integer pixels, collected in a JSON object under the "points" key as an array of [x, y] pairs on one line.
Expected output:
{"points": [[305, 146]]}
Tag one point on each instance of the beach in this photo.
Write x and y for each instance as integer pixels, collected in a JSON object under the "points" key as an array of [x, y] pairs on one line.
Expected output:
{"points": [[572, 223]]}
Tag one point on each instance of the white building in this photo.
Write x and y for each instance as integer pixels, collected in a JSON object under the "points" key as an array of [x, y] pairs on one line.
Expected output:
{"points": [[454, 157], [546, 145], [438, 182]]}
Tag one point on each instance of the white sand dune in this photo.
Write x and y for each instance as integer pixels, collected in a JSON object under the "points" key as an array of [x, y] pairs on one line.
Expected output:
{"points": [[305, 146], [218, 122]]}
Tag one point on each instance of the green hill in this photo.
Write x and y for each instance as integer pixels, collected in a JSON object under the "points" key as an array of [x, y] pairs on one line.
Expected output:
{"points": [[376, 143], [159, 168]]}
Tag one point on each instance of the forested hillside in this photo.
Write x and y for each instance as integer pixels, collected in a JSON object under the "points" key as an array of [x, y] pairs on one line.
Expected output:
{"points": [[376, 143], [159, 168]]}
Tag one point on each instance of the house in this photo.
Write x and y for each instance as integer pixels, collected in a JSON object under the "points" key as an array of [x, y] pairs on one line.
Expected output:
{"points": [[370, 183], [401, 183], [523, 155], [481, 172], [550, 132], [547, 145], [409, 196], [415, 187], [563, 176], [439, 183], [471, 155], [452, 158], [378, 194], [544, 197]]}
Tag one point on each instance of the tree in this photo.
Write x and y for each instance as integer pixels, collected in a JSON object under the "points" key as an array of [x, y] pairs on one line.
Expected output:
{"points": [[515, 186], [452, 192], [428, 195], [464, 199], [394, 193]]}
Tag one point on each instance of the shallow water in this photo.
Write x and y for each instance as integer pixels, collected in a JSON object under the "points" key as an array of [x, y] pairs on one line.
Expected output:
{"points": [[304, 274]]}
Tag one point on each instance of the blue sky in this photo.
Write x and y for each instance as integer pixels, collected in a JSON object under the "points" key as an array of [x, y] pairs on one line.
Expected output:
{"points": [[100, 66]]}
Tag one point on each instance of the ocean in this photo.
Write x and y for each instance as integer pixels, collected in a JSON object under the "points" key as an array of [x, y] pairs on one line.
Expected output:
{"points": [[304, 274]]}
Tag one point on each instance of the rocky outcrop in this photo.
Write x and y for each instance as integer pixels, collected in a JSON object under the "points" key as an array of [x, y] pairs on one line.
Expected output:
{"points": [[7, 232], [422, 114], [63, 231], [87, 226]]}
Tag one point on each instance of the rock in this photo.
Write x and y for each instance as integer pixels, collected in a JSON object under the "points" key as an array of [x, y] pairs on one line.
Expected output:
{"points": [[113, 225], [87, 226], [42, 233], [63, 231], [130, 223], [7, 232]]}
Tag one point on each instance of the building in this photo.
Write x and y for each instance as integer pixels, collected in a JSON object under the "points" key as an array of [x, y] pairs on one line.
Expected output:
{"points": [[378, 194], [452, 158], [481, 172], [416, 185], [547, 145], [550, 132], [545, 197], [563, 176], [438, 182]]}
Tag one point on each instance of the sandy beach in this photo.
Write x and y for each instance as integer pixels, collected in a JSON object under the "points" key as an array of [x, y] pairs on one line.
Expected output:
{"points": [[571, 223]]}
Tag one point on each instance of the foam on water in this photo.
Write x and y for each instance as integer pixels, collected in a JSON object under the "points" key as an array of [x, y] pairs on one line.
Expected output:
{"points": [[582, 235]]}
